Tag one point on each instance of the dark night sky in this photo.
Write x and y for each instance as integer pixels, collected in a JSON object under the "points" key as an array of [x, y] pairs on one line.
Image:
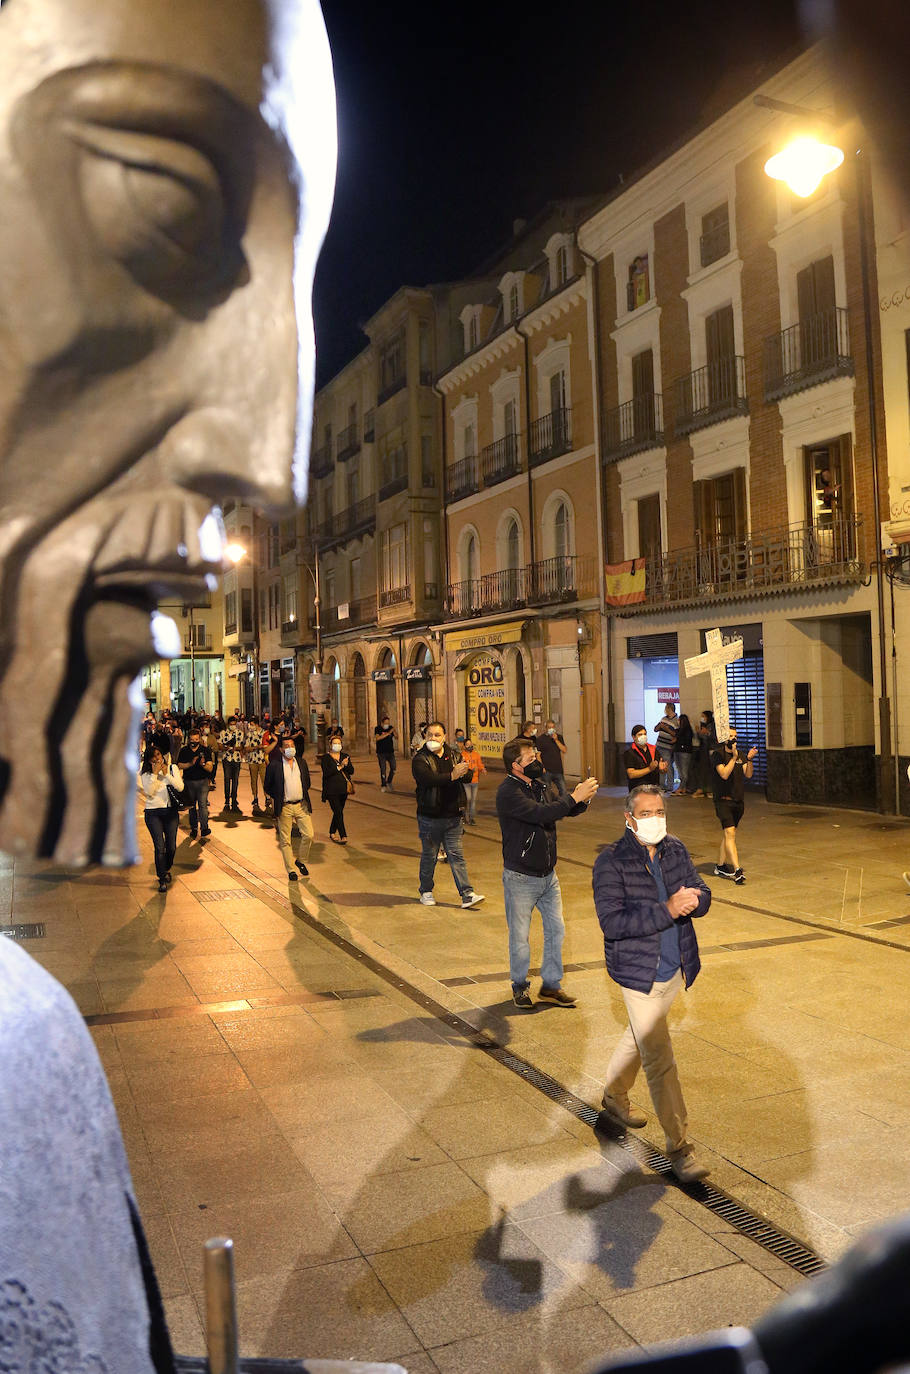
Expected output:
{"points": [[453, 121]]}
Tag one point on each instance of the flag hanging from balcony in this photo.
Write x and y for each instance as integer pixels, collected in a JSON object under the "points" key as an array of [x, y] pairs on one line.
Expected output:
{"points": [[624, 582]]}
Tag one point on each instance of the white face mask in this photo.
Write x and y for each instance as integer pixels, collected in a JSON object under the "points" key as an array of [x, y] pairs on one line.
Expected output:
{"points": [[336, 747], [641, 741], [651, 829], [435, 745], [290, 753]]}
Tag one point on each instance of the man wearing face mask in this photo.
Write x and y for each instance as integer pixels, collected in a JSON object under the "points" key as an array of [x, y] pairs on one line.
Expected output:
{"points": [[731, 770], [528, 808], [646, 893], [287, 782], [642, 762], [441, 801]]}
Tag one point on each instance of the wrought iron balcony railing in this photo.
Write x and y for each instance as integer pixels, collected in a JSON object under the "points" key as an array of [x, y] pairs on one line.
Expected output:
{"points": [[230, 628], [393, 385], [813, 351], [791, 556], [396, 480], [633, 427], [461, 478], [566, 577], [501, 459], [362, 611], [292, 631], [200, 644], [356, 519], [710, 394], [348, 443], [321, 461], [551, 435], [395, 596]]}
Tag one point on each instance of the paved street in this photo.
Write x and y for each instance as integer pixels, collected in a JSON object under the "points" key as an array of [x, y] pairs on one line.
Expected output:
{"points": [[396, 1192]]}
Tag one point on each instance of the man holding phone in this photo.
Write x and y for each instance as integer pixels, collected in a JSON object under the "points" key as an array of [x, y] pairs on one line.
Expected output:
{"points": [[528, 808], [196, 763], [731, 770]]}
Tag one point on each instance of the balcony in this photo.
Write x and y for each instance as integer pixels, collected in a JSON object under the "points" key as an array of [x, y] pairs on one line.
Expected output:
{"points": [[392, 386], [321, 461], [292, 631], [395, 596], [355, 520], [348, 443], [461, 478], [551, 435], [791, 557], [501, 459], [198, 644], [808, 353], [396, 480], [633, 427], [547, 582], [359, 612], [230, 628], [710, 394]]}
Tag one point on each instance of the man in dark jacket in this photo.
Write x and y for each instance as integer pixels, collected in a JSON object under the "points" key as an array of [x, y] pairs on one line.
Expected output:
{"points": [[287, 782], [528, 808], [646, 891], [441, 804]]}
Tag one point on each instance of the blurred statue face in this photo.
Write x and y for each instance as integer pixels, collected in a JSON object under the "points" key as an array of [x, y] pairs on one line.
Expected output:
{"points": [[166, 173]]}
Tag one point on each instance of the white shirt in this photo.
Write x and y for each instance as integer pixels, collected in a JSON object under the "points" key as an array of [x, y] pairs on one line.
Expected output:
{"points": [[154, 789], [293, 782]]}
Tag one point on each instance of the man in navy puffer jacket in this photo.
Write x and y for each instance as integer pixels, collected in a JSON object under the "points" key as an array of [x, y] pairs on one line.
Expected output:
{"points": [[646, 892]]}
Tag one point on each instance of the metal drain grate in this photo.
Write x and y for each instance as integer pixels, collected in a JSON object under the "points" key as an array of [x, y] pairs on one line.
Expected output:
{"points": [[37, 930], [233, 894]]}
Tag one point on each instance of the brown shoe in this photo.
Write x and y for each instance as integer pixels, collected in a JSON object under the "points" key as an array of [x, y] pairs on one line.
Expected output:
{"points": [[687, 1168], [558, 996]]}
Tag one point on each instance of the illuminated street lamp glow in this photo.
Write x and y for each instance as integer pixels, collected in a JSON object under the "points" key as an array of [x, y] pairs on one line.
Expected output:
{"points": [[234, 552], [803, 163]]}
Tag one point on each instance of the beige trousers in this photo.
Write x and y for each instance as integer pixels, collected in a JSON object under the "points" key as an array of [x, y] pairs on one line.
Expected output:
{"points": [[257, 776], [291, 812], [646, 1044]]}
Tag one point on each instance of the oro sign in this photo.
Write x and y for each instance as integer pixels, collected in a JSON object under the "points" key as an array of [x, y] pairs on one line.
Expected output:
{"points": [[486, 705]]}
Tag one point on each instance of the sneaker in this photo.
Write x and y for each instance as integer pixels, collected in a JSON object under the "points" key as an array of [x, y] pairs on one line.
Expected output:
{"points": [[522, 998], [723, 870], [558, 996], [472, 899], [292, 878], [739, 876], [622, 1114], [205, 834], [427, 899], [303, 868], [383, 787], [162, 887], [193, 834], [687, 1168]]}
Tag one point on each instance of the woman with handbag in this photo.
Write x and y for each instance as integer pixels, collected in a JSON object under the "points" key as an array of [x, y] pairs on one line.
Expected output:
{"points": [[160, 782], [337, 786]]}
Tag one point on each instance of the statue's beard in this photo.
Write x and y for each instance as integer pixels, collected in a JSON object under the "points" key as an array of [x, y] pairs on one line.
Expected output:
{"points": [[68, 720]]}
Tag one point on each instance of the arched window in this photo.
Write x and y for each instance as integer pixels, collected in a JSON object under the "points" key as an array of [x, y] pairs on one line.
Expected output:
{"points": [[471, 558], [513, 545], [561, 531]]}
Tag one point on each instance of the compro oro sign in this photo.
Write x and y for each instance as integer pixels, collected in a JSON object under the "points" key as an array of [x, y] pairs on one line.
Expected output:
{"points": [[486, 697]]}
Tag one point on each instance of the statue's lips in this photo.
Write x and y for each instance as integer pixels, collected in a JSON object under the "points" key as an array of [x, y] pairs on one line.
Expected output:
{"points": [[168, 544]]}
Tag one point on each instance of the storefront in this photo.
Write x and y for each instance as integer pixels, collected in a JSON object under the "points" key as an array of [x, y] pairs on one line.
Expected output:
{"points": [[490, 684], [386, 694], [419, 678]]}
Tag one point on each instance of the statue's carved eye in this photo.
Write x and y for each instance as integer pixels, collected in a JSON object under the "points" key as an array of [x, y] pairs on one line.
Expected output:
{"points": [[157, 206]]}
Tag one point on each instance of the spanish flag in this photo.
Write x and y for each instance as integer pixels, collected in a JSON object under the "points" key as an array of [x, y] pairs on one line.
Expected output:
{"points": [[625, 582]]}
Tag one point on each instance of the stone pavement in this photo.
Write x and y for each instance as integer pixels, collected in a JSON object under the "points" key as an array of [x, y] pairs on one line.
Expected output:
{"points": [[393, 1191]]}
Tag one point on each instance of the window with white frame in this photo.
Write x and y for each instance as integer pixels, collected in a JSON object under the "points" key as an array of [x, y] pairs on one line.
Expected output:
{"points": [[470, 557], [290, 600], [562, 531], [394, 557]]}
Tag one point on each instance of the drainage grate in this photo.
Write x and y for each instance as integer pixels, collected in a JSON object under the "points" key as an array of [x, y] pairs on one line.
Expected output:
{"points": [[778, 1243], [233, 894], [36, 931]]}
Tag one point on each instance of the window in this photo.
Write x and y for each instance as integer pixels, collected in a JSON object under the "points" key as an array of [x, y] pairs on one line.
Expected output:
{"points": [[356, 592], [514, 309], [720, 350], [715, 234], [471, 559], [274, 605], [230, 611], [638, 290], [352, 479], [246, 610], [330, 597], [394, 557], [473, 333], [424, 354], [274, 545], [562, 265], [290, 600], [392, 365], [561, 531]]}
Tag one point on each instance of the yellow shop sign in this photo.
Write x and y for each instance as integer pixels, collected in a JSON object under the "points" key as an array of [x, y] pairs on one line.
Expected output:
{"points": [[485, 636]]}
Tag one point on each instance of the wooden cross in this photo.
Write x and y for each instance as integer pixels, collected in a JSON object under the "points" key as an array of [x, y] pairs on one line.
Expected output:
{"points": [[714, 661]]}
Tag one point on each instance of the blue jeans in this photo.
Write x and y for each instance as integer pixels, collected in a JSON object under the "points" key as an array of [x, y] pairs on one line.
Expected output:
{"points": [[470, 790], [522, 894], [559, 782], [161, 822], [197, 793], [447, 831], [666, 779], [386, 768]]}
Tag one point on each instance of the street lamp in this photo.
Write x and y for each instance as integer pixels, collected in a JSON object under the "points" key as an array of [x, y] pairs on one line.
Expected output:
{"points": [[317, 603], [802, 166]]}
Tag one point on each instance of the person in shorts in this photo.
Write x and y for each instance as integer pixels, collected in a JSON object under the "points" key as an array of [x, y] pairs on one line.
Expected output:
{"points": [[731, 770]]}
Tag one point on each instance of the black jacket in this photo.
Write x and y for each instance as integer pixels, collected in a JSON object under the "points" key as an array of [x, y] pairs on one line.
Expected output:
{"points": [[335, 774], [437, 795], [528, 812], [274, 781]]}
